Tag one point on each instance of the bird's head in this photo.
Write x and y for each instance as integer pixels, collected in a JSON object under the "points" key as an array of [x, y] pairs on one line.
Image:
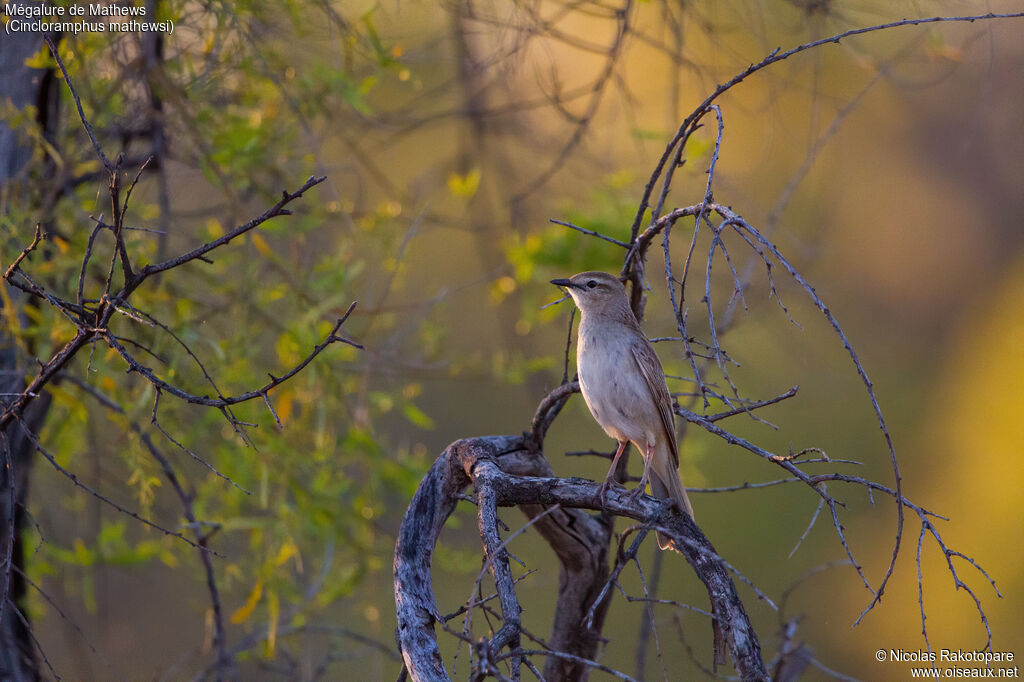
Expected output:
{"points": [[595, 292]]}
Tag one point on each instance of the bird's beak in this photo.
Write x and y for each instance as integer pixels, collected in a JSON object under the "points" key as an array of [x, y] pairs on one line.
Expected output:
{"points": [[563, 283]]}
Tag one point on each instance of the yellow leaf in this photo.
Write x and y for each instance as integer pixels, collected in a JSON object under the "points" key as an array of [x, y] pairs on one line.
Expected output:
{"points": [[243, 613], [261, 245], [273, 612], [390, 209], [284, 405], [40, 60], [83, 167], [214, 228], [937, 47], [287, 551], [170, 559], [464, 185]]}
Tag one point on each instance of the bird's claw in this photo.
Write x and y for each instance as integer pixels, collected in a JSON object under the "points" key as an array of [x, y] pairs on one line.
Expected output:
{"points": [[635, 494], [602, 493]]}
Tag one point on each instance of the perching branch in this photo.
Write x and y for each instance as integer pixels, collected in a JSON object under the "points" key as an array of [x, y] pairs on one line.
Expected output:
{"points": [[488, 464]]}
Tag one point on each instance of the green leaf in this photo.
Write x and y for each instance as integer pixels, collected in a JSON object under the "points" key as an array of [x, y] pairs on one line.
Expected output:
{"points": [[417, 416]]}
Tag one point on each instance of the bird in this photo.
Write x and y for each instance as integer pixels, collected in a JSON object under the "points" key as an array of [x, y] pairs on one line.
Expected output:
{"points": [[624, 386]]}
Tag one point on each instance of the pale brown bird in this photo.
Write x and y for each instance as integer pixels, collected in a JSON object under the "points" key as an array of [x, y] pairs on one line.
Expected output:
{"points": [[624, 385]]}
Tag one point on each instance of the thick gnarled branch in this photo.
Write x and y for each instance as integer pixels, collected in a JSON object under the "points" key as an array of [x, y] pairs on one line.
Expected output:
{"points": [[488, 463]]}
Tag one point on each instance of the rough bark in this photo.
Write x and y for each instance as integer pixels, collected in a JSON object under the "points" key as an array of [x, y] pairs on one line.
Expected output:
{"points": [[506, 472]]}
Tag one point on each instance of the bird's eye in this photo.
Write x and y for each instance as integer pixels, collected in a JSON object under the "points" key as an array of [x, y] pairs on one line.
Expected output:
{"points": [[591, 284]]}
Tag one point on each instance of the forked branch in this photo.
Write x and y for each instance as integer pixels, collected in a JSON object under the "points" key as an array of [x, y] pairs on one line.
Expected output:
{"points": [[488, 464]]}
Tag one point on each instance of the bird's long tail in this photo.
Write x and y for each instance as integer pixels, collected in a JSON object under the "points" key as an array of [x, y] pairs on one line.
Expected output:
{"points": [[665, 484]]}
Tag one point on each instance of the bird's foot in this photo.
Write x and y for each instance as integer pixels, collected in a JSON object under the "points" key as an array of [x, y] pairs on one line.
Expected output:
{"points": [[602, 493], [636, 493]]}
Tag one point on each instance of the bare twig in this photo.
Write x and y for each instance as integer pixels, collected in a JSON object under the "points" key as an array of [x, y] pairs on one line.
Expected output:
{"points": [[78, 103]]}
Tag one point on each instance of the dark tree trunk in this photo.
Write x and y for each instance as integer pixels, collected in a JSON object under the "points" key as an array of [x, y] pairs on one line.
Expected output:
{"points": [[22, 86]]}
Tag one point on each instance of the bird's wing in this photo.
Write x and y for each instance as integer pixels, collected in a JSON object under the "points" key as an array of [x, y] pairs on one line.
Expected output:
{"points": [[654, 377]]}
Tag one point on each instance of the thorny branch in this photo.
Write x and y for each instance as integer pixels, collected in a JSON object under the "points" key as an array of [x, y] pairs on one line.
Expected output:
{"points": [[92, 322], [771, 256]]}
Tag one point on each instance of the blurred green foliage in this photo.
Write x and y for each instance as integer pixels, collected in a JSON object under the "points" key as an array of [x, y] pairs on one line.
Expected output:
{"points": [[298, 528]]}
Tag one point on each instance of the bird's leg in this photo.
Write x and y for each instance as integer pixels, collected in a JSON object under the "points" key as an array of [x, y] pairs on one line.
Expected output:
{"points": [[610, 478], [642, 488]]}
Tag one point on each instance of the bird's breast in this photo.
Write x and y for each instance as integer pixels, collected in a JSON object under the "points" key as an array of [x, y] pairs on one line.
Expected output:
{"points": [[610, 383]]}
